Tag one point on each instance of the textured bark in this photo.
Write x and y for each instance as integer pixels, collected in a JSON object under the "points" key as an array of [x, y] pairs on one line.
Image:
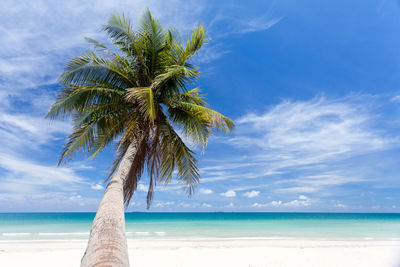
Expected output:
{"points": [[107, 244]]}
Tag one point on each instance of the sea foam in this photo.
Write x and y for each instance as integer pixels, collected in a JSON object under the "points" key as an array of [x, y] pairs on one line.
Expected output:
{"points": [[16, 234], [63, 234]]}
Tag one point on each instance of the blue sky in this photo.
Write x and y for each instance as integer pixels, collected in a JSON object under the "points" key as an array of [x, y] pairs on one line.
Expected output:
{"points": [[314, 88]]}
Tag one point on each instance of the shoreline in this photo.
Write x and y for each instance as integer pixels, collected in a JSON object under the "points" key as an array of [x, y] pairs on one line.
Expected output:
{"points": [[215, 239], [214, 252]]}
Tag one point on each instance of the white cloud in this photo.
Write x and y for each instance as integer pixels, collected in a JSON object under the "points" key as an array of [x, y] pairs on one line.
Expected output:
{"points": [[258, 205], [47, 201], [307, 144], [23, 171], [252, 194], [276, 203], [142, 187], [395, 98], [75, 197], [258, 24], [162, 204], [315, 183], [230, 205], [319, 129], [43, 35], [206, 205], [231, 21], [25, 137], [229, 193], [297, 203], [187, 205], [302, 201], [298, 189], [210, 53], [97, 187], [22, 130], [205, 191]]}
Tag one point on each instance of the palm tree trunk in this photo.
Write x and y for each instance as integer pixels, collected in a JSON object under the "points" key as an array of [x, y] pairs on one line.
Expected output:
{"points": [[107, 244]]}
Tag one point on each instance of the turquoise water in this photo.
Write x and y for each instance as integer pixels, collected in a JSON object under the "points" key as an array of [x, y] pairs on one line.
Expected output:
{"points": [[76, 226]]}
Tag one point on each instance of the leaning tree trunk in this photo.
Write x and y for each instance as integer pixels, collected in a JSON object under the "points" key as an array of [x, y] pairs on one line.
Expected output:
{"points": [[107, 244]]}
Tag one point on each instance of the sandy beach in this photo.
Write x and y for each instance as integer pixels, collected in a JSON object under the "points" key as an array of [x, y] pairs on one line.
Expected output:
{"points": [[201, 253]]}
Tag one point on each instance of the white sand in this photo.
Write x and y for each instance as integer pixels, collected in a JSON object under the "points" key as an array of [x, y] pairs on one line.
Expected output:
{"points": [[209, 253]]}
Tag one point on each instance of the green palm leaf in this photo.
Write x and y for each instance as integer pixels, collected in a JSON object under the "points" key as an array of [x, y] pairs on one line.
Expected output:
{"points": [[135, 94]]}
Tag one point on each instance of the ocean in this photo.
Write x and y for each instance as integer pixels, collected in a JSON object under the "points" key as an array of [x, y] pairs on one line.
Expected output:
{"points": [[218, 225]]}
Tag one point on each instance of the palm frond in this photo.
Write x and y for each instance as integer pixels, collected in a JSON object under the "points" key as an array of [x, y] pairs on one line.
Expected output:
{"points": [[193, 96], [120, 30], [217, 120], [136, 169], [193, 45], [101, 47], [77, 98], [81, 139], [153, 32], [153, 163], [180, 75], [183, 158], [89, 68], [144, 98], [136, 94], [93, 130]]}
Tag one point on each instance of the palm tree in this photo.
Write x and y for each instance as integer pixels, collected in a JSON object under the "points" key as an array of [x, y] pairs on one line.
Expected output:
{"points": [[138, 95]]}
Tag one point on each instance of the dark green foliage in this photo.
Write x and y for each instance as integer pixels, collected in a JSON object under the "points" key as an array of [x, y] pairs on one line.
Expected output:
{"points": [[139, 93]]}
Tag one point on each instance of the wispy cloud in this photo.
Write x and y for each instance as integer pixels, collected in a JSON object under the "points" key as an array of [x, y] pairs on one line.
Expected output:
{"points": [[329, 127], [45, 201], [210, 53], [395, 98], [25, 137], [206, 205], [26, 130], [228, 20], [142, 188], [303, 146], [162, 204], [258, 24], [39, 37], [97, 187], [232, 20], [314, 183], [229, 193], [28, 172], [252, 194], [301, 201], [205, 191]]}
